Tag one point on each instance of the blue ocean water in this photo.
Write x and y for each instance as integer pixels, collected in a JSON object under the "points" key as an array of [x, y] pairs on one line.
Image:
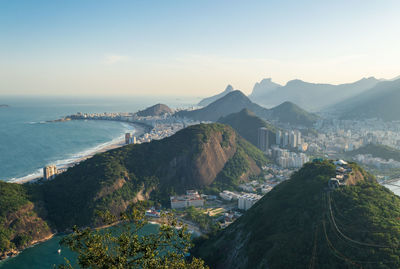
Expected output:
{"points": [[27, 142], [45, 255]]}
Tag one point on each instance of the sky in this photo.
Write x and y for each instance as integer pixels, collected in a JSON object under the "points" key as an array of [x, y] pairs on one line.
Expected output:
{"points": [[191, 47]]}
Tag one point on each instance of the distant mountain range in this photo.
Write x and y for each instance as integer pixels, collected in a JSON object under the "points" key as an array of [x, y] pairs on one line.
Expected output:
{"points": [[310, 96], [235, 101], [203, 156], [380, 102], [246, 123], [209, 100], [300, 224], [156, 110]]}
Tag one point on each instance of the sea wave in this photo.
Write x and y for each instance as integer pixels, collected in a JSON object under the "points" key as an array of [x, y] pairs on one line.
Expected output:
{"points": [[36, 122], [74, 158]]}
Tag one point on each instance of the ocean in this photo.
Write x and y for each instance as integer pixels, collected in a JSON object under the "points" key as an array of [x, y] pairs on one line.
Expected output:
{"points": [[28, 142]]}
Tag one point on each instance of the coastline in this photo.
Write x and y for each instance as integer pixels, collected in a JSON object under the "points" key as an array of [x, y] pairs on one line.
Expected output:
{"points": [[113, 144]]}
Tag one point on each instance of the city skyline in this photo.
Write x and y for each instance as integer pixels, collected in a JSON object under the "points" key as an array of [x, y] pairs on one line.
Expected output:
{"points": [[191, 48]]}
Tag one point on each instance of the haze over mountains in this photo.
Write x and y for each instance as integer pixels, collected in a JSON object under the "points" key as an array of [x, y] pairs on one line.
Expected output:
{"points": [[310, 96], [233, 102], [380, 102], [209, 100]]}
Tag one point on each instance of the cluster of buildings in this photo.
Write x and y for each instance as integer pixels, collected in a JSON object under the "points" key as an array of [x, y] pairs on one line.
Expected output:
{"points": [[245, 200], [279, 145], [342, 174], [162, 130], [288, 139], [254, 185], [337, 136], [130, 139], [191, 198], [379, 163], [287, 159]]}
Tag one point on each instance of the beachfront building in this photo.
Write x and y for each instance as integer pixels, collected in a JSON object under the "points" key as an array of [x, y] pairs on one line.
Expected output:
{"points": [[130, 139], [127, 138], [192, 198], [50, 171]]}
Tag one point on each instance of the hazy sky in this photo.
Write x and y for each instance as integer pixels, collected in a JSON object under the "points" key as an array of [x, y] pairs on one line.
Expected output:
{"points": [[192, 47]]}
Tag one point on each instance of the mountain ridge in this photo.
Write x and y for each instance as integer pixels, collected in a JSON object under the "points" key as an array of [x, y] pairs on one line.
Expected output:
{"points": [[208, 100], [313, 96], [235, 101]]}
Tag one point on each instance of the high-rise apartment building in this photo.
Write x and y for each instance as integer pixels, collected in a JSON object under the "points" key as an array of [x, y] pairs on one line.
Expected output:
{"points": [[50, 171], [264, 141]]}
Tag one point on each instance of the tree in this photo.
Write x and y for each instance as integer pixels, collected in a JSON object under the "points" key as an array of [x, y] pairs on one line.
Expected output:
{"points": [[106, 248]]}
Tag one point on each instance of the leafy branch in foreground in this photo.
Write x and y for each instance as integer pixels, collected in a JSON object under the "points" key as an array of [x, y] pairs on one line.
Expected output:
{"points": [[124, 247]]}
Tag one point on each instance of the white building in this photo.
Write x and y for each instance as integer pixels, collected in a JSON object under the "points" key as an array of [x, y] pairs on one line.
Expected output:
{"points": [[192, 198], [246, 201]]}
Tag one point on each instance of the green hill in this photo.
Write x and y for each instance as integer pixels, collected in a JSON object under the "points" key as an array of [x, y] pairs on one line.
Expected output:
{"points": [[299, 224], [246, 123], [156, 110], [207, 157], [198, 157], [290, 113], [235, 101], [379, 151]]}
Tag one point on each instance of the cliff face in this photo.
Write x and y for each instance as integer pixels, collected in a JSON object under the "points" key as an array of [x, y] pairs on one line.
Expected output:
{"points": [[194, 158], [196, 170], [22, 221]]}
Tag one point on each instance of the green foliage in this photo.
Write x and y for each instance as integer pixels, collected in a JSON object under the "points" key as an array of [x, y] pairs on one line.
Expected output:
{"points": [[12, 198], [128, 249], [292, 227], [230, 177], [114, 179], [205, 222], [246, 123]]}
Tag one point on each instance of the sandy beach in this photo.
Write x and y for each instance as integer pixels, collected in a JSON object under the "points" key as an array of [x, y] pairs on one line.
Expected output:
{"points": [[116, 143]]}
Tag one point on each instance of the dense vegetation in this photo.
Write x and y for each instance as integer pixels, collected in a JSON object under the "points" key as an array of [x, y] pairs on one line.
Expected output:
{"points": [[246, 123], [129, 246], [205, 222], [379, 151], [12, 197], [198, 157], [293, 227], [20, 222]]}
